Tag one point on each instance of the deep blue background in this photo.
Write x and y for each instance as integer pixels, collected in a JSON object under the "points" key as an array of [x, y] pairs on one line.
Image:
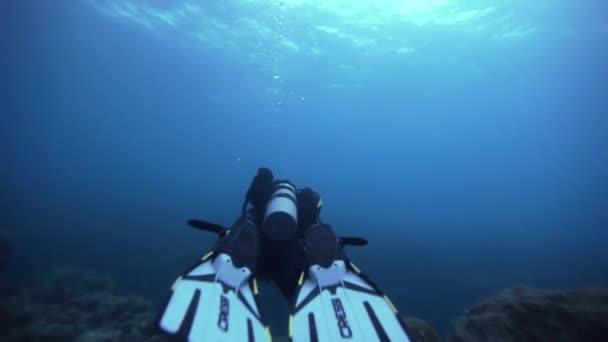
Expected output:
{"points": [[465, 183]]}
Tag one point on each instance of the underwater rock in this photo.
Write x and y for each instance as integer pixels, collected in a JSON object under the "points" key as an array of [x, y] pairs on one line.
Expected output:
{"points": [[420, 330], [75, 305], [70, 281], [526, 314], [7, 242]]}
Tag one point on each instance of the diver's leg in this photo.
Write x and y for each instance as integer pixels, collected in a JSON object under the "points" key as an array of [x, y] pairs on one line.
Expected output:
{"points": [[318, 245], [321, 246], [242, 243], [217, 298], [334, 300], [286, 261]]}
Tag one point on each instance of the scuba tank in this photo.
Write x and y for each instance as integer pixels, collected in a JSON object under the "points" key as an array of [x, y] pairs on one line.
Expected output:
{"points": [[281, 216], [278, 207], [274, 206]]}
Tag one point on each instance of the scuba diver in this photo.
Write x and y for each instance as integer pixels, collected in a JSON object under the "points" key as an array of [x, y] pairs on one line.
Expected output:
{"points": [[279, 236]]}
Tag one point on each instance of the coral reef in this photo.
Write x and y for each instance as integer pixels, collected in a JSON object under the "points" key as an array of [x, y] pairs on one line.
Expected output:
{"points": [[526, 314], [420, 330], [7, 241], [74, 305], [83, 306]]}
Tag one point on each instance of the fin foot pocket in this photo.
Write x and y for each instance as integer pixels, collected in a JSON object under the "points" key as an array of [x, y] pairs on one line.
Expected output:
{"points": [[336, 301], [217, 298]]}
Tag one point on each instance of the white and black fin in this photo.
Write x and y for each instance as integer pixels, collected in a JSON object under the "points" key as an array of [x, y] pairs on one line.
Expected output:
{"points": [[214, 301], [339, 303]]}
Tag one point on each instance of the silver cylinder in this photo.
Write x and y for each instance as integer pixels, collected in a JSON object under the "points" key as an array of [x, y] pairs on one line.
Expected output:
{"points": [[281, 218]]}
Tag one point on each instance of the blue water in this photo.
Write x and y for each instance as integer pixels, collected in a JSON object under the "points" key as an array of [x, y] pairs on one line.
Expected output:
{"points": [[466, 140]]}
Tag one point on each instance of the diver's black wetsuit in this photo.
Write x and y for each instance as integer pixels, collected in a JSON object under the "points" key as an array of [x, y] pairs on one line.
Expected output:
{"points": [[280, 237], [281, 261]]}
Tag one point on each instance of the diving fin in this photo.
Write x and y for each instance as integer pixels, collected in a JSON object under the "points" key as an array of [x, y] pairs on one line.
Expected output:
{"points": [[208, 226], [217, 298], [335, 301], [352, 241]]}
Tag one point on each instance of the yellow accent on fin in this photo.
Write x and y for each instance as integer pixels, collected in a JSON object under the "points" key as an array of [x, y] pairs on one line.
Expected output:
{"points": [[390, 304], [255, 287], [268, 334], [301, 279], [207, 256], [320, 203], [290, 326], [176, 282], [355, 268]]}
